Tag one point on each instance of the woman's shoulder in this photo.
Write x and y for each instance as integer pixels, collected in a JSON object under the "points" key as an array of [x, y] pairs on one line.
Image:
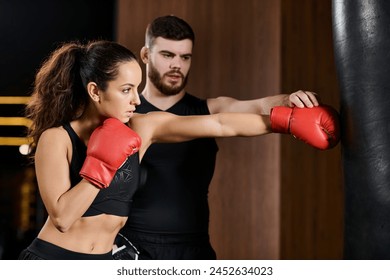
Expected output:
{"points": [[54, 136], [150, 116], [53, 142], [54, 132], [150, 120]]}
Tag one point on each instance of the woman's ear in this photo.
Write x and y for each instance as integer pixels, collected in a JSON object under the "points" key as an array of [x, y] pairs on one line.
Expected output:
{"points": [[93, 91], [144, 54]]}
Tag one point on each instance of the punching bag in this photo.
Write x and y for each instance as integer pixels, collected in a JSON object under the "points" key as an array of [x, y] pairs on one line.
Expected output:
{"points": [[361, 34]]}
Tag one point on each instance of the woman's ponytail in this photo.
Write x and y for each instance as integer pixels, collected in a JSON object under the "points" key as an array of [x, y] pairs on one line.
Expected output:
{"points": [[59, 95]]}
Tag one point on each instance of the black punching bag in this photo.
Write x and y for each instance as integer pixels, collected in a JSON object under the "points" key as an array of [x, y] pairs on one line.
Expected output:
{"points": [[361, 30]]}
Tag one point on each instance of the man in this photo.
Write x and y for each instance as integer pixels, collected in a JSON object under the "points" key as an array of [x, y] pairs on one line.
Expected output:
{"points": [[170, 213]]}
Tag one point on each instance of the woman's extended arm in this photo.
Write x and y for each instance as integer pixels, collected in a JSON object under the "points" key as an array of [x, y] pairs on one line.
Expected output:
{"points": [[317, 126], [166, 127]]}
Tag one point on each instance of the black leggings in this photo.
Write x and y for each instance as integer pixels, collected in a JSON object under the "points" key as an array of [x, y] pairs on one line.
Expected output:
{"points": [[171, 246], [43, 250]]}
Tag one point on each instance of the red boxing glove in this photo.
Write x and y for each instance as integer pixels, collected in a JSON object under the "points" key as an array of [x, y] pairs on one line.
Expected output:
{"points": [[108, 148], [318, 126]]}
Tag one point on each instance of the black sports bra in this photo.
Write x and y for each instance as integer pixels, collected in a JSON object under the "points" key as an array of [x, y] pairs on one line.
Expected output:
{"points": [[116, 199]]}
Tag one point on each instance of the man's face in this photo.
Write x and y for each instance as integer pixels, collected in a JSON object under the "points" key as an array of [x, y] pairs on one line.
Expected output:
{"points": [[169, 64]]}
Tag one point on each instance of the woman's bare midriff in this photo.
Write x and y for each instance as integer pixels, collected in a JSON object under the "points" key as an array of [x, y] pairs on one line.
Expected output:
{"points": [[89, 235]]}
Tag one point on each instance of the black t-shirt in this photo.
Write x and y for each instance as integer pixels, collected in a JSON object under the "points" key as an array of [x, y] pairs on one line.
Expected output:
{"points": [[174, 197], [117, 197]]}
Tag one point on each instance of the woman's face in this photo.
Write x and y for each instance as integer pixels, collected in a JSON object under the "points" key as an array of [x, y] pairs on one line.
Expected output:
{"points": [[121, 95]]}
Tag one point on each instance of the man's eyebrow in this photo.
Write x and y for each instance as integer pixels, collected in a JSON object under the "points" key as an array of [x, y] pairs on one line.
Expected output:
{"points": [[164, 51], [171, 53]]}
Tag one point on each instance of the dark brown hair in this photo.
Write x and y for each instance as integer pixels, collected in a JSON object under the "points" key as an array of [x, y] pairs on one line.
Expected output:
{"points": [[168, 27]]}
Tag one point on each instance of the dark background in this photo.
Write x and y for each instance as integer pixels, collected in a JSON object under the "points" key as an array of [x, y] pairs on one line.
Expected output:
{"points": [[29, 31]]}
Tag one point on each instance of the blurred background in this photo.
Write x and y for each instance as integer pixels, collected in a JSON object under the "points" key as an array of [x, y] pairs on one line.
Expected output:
{"points": [[272, 197]]}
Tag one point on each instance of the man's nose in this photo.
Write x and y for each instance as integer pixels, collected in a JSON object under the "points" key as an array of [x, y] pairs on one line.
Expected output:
{"points": [[175, 63]]}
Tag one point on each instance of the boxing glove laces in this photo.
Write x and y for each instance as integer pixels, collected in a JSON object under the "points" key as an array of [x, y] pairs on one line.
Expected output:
{"points": [[108, 148], [318, 126]]}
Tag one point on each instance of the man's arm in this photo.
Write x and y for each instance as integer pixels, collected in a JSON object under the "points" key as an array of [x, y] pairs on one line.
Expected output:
{"points": [[262, 105]]}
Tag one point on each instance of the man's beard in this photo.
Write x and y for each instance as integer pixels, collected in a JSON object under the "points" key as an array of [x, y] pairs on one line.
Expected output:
{"points": [[168, 90]]}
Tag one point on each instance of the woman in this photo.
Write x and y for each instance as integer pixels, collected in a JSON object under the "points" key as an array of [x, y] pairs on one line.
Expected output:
{"points": [[87, 145]]}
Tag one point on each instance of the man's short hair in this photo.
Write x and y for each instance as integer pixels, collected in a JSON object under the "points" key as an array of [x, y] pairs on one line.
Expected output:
{"points": [[168, 27]]}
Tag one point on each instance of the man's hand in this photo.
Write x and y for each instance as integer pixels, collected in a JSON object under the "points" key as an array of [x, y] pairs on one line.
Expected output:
{"points": [[303, 99]]}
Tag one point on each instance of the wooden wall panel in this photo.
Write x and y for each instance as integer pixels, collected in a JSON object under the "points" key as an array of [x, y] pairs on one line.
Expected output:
{"points": [[237, 53], [311, 187]]}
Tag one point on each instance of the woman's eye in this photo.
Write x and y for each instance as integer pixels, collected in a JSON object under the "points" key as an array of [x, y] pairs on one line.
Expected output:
{"points": [[126, 90]]}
